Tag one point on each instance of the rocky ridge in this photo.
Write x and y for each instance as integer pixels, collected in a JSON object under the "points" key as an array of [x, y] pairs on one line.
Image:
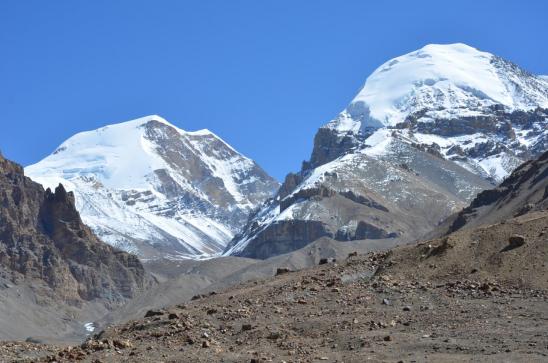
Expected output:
{"points": [[525, 190]]}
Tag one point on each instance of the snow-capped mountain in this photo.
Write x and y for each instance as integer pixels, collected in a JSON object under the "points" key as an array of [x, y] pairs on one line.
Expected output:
{"points": [[447, 80], [148, 187], [473, 107], [427, 131]]}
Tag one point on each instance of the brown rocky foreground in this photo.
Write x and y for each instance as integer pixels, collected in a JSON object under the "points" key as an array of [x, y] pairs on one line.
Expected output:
{"points": [[471, 296]]}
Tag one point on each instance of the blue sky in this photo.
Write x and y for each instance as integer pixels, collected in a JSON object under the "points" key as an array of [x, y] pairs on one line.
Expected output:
{"points": [[263, 75]]}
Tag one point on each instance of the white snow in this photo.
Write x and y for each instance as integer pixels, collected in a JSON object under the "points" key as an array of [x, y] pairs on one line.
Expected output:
{"points": [[456, 77], [379, 142], [90, 327], [495, 166], [117, 155], [107, 166]]}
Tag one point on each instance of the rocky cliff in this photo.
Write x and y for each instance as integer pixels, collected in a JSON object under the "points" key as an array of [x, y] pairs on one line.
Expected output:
{"points": [[42, 237]]}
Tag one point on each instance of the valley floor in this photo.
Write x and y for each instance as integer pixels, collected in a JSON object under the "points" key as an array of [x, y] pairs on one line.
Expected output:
{"points": [[314, 316], [337, 312]]}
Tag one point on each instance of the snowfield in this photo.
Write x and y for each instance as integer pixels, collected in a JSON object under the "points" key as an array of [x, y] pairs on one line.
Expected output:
{"points": [[456, 77]]}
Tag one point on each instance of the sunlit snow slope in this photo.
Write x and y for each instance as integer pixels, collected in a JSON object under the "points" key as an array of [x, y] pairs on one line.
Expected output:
{"points": [[450, 80], [148, 187]]}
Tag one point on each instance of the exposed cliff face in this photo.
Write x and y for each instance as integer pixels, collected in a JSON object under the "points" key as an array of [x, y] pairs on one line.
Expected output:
{"points": [[42, 237], [284, 237], [361, 197], [329, 144], [491, 144], [428, 131]]}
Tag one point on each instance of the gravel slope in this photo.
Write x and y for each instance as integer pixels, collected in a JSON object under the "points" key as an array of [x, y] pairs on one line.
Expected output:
{"points": [[465, 297]]}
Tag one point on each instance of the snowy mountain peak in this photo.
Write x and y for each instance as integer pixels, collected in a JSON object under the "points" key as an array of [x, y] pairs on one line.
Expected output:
{"points": [[454, 79], [427, 131], [122, 155], [149, 187], [143, 121], [477, 109]]}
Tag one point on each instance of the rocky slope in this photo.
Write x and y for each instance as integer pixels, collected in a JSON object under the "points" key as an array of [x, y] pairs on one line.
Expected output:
{"points": [[473, 300], [470, 295], [428, 131], [525, 190], [147, 187], [50, 260]]}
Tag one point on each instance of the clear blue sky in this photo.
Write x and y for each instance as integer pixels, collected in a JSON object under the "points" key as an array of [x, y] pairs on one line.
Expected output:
{"points": [[263, 75]]}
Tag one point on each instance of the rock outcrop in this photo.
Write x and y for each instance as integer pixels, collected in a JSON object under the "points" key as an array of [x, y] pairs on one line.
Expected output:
{"points": [[42, 237]]}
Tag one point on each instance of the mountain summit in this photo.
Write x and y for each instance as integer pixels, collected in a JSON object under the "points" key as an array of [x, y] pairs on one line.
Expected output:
{"points": [[151, 188], [448, 81], [471, 106], [426, 133]]}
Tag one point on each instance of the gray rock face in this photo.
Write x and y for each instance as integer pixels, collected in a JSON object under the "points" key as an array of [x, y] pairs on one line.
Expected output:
{"points": [[397, 197], [43, 238], [514, 136], [330, 144], [147, 187], [284, 237]]}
